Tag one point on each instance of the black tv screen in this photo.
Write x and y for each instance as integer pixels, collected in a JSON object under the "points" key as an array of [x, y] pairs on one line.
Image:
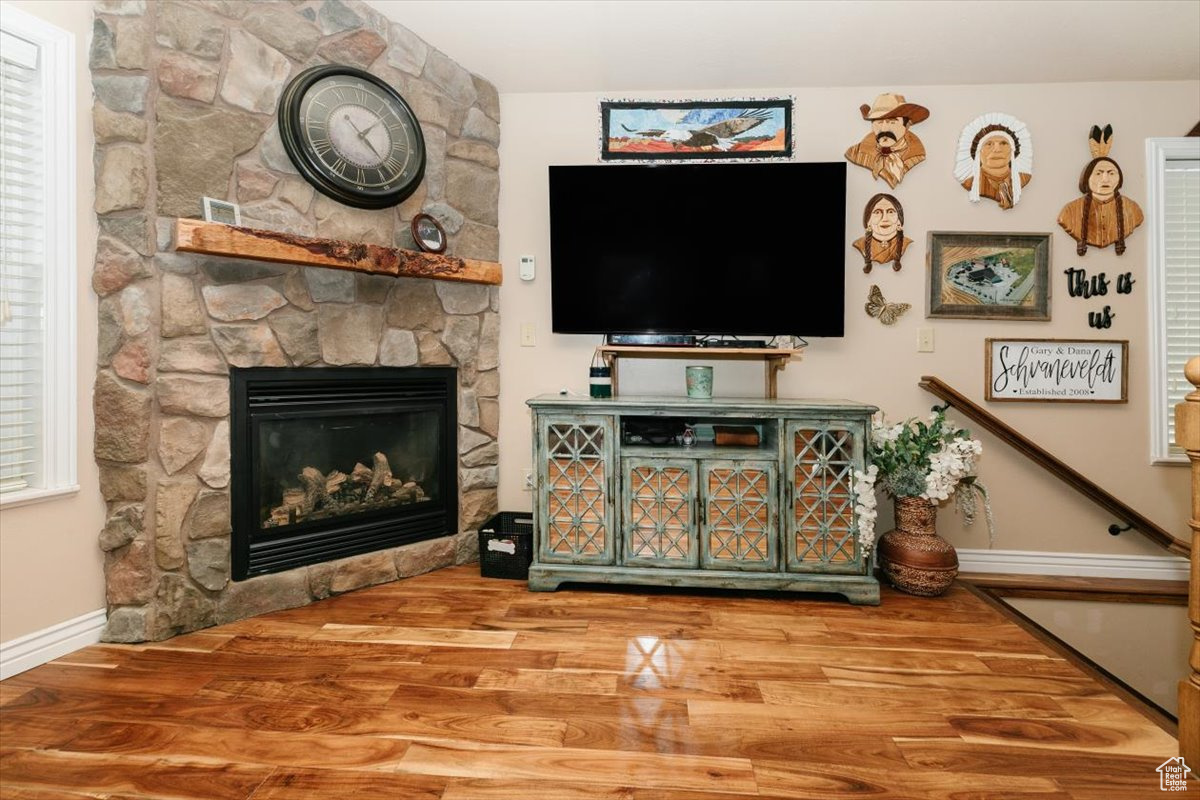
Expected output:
{"points": [[706, 249]]}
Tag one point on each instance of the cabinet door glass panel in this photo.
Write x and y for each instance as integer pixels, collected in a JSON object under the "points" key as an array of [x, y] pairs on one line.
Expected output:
{"points": [[823, 530], [660, 528], [739, 515], [578, 520]]}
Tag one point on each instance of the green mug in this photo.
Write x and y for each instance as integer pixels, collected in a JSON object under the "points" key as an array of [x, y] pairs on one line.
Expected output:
{"points": [[700, 382]]}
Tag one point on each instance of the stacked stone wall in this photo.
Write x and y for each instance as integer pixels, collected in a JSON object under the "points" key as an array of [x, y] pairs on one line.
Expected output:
{"points": [[186, 96]]}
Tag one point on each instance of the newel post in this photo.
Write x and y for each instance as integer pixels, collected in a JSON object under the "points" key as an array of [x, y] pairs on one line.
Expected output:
{"points": [[1187, 436]]}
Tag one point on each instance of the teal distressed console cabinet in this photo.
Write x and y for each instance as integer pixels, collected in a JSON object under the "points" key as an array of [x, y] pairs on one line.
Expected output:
{"points": [[612, 507]]}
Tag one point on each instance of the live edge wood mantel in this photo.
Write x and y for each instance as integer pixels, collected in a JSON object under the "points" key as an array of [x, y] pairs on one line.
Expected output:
{"points": [[210, 238]]}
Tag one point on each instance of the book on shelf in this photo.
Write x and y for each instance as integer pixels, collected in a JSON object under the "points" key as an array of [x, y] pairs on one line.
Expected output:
{"points": [[735, 435]]}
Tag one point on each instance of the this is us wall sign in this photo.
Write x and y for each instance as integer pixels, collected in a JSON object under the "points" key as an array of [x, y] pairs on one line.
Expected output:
{"points": [[1056, 370]]}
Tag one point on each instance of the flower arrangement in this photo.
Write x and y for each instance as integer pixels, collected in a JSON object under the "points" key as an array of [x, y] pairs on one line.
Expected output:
{"points": [[929, 459]]}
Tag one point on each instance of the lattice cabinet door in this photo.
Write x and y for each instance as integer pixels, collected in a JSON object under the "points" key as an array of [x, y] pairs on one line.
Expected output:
{"points": [[740, 515], [659, 520], [575, 480], [822, 531]]}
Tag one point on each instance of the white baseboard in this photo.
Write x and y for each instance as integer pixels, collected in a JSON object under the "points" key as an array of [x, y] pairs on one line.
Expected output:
{"points": [[39, 647], [1082, 565]]}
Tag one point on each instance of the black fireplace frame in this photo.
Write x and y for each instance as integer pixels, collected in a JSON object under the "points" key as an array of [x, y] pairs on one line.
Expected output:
{"points": [[271, 393]]}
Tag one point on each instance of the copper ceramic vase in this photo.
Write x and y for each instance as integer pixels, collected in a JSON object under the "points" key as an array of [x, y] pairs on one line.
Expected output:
{"points": [[913, 557]]}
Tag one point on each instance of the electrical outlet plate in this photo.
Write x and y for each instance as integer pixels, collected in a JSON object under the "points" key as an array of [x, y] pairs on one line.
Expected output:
{"points": [[924, 340]]}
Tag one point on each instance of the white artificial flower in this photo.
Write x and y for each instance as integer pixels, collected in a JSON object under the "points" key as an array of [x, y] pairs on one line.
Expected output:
{"points": [[863, 488]]}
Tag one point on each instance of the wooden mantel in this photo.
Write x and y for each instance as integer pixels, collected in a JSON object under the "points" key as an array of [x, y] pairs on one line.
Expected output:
{"points": [[211, 238]]}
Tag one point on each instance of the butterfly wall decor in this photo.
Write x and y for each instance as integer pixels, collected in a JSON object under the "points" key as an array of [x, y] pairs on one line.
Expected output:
{"points": [[886, 312]]}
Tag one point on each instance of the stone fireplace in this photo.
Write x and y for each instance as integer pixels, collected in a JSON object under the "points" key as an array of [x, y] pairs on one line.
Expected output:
{"points": [[186, 97], [330, 463]]}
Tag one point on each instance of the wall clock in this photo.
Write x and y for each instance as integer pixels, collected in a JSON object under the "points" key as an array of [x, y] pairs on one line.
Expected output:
{"points": [[352, 136]]}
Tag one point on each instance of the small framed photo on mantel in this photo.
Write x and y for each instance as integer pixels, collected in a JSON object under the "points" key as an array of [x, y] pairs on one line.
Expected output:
{"points": [[1056, 370], [222, 211]]}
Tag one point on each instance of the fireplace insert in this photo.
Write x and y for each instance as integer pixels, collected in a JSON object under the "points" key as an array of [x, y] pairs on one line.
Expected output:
{"points": [[333, 462]]}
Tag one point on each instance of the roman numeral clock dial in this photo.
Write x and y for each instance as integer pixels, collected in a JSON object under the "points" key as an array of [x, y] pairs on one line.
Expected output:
{"points": [[352, 136]]}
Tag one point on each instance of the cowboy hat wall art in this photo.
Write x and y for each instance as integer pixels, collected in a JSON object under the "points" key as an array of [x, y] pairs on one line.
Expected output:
{"points": [[1102, 215], [995, 158], [883, 238], [891, 148]]}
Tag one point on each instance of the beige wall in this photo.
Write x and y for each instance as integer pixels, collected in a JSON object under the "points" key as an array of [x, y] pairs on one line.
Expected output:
{"points": [[1108, 443], [1144, 645], [51, 569]]}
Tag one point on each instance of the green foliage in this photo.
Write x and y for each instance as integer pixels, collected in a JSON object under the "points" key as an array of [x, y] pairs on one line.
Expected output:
{"points": [[902, 452]]}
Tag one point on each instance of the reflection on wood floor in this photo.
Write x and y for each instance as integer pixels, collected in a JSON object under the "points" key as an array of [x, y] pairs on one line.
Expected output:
{"points": [[455, 687]]}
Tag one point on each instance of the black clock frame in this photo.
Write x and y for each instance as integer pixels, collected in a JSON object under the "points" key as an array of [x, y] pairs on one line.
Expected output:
{"points": [[310, 166]]}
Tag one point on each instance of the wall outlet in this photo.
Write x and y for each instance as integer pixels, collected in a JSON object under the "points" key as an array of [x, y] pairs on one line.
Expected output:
{"points": [[527, 484], [924, 340], [527, 337]]}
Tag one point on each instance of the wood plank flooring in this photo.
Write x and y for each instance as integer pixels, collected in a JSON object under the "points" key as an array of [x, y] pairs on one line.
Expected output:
{"points": [[452, 687]]}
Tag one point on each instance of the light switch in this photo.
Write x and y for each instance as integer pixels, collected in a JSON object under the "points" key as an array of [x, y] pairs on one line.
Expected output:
{"points": [[527, 338], [924, 340], [527, 268]]}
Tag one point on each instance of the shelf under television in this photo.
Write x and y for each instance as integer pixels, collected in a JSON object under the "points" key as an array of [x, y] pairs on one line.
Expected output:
{"points": [[774, 359]]}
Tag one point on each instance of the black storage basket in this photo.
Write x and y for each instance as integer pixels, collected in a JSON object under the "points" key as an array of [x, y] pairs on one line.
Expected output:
{"points": [[507, 529]]}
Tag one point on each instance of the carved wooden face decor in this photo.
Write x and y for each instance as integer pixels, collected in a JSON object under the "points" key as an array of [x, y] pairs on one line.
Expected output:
{"points": [[995, 158], [891, 148], [1101, 215], [883, 238]]}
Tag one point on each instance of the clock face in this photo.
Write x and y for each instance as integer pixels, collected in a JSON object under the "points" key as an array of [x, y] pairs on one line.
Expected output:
{"points": [[352, 136]]}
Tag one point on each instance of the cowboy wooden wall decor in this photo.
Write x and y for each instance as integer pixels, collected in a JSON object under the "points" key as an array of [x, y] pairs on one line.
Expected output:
{"points": [[1102, 215], [883, 239], [991, 149], [891, 148]]}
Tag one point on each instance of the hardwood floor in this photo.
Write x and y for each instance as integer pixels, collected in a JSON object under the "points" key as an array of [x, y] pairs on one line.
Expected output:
{"points": [[452, 687]]}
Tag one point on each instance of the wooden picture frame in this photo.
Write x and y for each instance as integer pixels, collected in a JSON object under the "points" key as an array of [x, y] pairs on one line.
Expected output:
{"points": [[1056, 370], [702, 130], [976, 275], [222, 211], [428, 233]]}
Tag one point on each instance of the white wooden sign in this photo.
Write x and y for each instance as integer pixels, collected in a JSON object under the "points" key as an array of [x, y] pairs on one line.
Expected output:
{"points": [[1056, 370]]}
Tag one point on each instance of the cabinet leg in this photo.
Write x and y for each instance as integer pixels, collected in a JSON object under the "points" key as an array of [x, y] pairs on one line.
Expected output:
{"points": [[542, 583]]}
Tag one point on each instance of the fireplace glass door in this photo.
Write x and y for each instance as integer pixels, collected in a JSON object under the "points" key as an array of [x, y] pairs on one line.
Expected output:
{"points": [[334, 462]]}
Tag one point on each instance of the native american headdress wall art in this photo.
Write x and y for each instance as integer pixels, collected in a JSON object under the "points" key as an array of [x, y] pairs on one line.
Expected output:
{"points": [[1102, 216], [891, 148], [991, 148]]}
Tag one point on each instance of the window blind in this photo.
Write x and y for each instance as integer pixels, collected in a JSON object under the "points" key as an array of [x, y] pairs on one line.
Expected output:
{"points": [[22, 264], [1181, 225]]}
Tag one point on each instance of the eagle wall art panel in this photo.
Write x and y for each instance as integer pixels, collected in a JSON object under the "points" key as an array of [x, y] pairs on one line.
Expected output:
{"points": [[695, 130]]}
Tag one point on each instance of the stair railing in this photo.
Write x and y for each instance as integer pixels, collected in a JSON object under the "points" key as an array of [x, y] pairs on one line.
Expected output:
{"points": [[1187, 436], [1058, 468]]}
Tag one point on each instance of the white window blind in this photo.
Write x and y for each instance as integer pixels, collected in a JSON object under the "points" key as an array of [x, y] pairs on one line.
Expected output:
{"points": [[37, 259], [1181, 279], [1173, 205], [22, 264]]}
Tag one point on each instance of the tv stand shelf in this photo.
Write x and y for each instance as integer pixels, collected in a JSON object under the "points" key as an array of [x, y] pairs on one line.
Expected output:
{"points": [[779, 515], [774, 359]]}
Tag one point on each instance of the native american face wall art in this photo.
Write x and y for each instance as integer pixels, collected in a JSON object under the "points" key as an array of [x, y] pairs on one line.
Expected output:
{"points": [[995, 158], [1102, 215], [883, 237]]}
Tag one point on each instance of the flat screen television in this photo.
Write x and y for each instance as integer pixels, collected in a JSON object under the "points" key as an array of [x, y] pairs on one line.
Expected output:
{"points": [[702, 249]]}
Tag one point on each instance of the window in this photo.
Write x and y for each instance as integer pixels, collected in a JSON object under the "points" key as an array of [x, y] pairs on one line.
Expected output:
{"points": [[1173, 189], [37, 259]]}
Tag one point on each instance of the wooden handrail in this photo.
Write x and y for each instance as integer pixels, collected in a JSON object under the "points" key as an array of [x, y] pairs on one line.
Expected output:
{"points": [[1055, 466], [1187, 436]]}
